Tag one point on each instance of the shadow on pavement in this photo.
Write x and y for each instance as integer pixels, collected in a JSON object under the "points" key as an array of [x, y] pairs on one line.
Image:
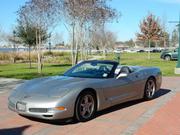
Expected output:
{"points": [[14, 131], [69, 121], [161, 92], [63, 122]]}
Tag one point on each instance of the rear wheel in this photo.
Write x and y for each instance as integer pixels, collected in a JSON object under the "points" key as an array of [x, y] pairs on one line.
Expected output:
{"points": [[150, 89], [85, 106]]}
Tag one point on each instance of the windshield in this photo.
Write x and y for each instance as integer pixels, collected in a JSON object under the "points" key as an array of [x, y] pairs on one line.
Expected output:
{"points": [[92, 69], [176, 50]]}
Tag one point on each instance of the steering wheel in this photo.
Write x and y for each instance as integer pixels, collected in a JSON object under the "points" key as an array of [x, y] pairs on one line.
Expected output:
{"points": [[104, 68]]}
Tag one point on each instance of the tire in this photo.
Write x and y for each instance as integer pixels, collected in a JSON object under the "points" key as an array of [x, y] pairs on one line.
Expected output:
{"points": [[167, 58], [150, 89], [86, 106]]}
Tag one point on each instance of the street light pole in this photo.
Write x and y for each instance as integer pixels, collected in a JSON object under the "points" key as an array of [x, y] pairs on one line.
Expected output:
{"points": [[178, 64], [177, 69]]}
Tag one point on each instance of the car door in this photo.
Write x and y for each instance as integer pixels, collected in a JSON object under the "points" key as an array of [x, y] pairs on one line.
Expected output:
{"points": [[122, 89]]}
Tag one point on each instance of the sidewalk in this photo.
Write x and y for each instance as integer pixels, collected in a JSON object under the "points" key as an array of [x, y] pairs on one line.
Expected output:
{"points": [[160, 116], [166, 121]]}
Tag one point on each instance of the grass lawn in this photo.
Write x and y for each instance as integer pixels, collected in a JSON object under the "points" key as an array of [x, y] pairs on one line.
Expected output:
{"points": [[141, 59], [22, 71]]}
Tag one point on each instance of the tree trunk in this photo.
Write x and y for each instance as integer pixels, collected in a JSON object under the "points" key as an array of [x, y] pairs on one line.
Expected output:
{"points": [[78, 43], [30, 66], [149, 52], [81, 38], [38, 51], [73, 44], [14, 54], [77, 53], [104, 41], [165, 46]]}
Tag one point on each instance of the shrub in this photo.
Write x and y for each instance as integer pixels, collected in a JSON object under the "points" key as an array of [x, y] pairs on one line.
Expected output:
{"points": [[5, 56], [55, 54], [49, 57], [20, 56]]}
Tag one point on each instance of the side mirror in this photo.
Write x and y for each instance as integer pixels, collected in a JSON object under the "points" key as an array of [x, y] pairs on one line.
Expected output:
{"points": [[122, 75]]}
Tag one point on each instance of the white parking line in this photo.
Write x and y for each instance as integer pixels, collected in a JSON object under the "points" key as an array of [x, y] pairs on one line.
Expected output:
{"points": [[1, 92], [4, 90]]}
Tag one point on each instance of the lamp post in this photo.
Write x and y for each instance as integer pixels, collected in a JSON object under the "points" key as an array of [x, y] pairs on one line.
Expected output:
{"points": [[178, 64], [177, 69]]}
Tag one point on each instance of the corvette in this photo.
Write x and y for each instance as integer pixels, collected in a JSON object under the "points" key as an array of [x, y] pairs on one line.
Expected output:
{"points": [[86, 88]]}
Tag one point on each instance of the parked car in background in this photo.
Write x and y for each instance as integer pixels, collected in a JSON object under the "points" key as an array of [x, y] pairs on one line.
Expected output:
{"points": [[130, 51], [170, 55], [141, 51], [155, 51], [118, 51]]}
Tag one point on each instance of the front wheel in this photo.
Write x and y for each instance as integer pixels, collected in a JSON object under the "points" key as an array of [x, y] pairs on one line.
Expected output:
{"points": [[85, 106], [150, 89], [167, 58]]}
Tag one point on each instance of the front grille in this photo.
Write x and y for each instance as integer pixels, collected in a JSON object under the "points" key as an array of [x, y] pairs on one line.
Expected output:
{"points": [[38, 110]]}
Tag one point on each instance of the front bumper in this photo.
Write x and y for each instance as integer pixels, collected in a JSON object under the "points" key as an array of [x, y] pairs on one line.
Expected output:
{"points": [[45, 111]]}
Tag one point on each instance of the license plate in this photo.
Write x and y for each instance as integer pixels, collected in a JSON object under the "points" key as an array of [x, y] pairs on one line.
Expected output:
{"points": [[21, 106]]}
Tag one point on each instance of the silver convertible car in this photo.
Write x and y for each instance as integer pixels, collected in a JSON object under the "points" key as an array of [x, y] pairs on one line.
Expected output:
{"points": [[86, 88]]}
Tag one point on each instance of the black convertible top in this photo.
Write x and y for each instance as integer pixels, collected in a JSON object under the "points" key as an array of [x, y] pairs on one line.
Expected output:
{"points": [[103, 61]]}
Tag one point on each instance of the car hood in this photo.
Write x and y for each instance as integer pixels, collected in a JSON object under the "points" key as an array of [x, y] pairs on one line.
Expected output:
{"points": [[51, 86]]}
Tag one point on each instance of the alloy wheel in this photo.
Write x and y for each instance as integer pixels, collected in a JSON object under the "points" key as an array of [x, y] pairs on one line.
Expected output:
{"points": [[150, 89], [86, 106]]}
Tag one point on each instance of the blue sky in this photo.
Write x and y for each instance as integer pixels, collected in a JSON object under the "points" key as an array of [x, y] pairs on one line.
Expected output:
{"points": [[133, 11]]}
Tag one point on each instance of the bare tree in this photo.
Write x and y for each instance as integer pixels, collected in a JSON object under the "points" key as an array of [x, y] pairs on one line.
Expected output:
{"points": [[174, 38], [43, 15], [98, 39], [150, 30], [165, 34], [81, 15], [3, 37], [111, 40], [103, 15], [76, 14]]}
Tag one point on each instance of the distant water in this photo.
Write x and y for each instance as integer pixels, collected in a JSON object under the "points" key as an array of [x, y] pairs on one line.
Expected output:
{"points": [[11, 49], [26, 49]]}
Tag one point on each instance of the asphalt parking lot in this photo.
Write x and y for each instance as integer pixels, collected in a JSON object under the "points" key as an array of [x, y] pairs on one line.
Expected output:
{"points": [[137, 117]]}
